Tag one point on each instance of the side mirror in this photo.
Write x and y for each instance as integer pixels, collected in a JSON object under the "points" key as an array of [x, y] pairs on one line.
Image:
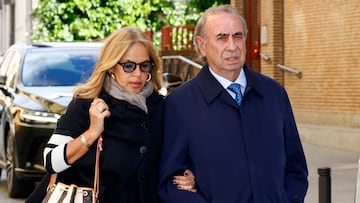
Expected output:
{"points": [[2, 80], [3, 88]]}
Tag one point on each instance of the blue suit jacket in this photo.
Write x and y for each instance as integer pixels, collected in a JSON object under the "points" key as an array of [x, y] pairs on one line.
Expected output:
{"points": [[250, 153]]}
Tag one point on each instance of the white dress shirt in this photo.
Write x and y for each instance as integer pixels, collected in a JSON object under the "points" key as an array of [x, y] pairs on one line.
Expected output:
{"points": [[225, 82]]}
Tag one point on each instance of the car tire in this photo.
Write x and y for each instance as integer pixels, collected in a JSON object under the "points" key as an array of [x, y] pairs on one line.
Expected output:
{"points": [[17, 188]]}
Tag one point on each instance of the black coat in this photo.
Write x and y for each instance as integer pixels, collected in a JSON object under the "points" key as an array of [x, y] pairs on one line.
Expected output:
{"points": [[132, 143], [247, 153]]}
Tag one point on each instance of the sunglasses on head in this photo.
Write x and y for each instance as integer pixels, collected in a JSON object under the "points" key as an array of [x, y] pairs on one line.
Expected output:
{"points": [[130, 66]]}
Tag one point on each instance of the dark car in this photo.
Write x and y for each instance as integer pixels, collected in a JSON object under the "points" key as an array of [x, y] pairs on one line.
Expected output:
{"points": [[36, 85]]}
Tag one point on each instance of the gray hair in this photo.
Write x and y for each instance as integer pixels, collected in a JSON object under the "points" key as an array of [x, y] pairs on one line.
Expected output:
{"points": [[200, 26]]}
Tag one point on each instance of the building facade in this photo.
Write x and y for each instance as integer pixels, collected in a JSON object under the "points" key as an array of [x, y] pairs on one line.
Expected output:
{"points": [[15, 22], [320, 40]]}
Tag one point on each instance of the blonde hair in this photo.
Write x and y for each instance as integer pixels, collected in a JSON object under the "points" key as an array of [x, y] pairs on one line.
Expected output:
{"points": [[114, 48]]}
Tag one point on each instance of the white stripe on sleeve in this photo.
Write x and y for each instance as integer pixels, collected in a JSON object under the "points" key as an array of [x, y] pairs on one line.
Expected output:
{"points": [[58, 160], [57, 156]]}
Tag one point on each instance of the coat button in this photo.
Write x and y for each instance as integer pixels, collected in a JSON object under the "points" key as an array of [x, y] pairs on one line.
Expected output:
{"points": [[145, 177], [295, 198], [144, 125], [143, 150]]}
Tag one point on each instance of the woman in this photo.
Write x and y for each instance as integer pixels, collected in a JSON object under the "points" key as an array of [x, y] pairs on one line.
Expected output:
{"points": [[121, 102]]}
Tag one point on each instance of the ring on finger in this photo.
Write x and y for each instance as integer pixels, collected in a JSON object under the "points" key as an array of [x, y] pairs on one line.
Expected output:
{"points": [[100, 110]]}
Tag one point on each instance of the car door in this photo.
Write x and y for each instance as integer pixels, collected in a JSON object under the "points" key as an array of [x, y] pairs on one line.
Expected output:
{"points": [[8, 70], [4, 66]]}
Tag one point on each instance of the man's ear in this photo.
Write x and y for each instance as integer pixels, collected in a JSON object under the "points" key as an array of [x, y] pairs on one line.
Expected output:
{"points": [[201, 45]]}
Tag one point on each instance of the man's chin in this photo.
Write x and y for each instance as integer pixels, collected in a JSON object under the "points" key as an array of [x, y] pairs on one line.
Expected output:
{"points": [[233, 66]]}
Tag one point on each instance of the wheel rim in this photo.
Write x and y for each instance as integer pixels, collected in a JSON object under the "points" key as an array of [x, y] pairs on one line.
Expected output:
{"points": [[10, 161]]}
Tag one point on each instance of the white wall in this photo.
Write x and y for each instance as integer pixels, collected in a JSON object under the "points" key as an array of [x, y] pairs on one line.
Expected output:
{"points": [[23, 20], [15, 22], [5, 26]]}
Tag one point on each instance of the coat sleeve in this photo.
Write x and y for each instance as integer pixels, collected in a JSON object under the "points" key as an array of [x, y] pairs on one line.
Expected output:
{"points": [[296, 172], [175, 157], [69, 126]]}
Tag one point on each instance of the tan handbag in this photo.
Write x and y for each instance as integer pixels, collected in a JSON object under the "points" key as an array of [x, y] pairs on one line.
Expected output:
{"points": [[63, 193]]}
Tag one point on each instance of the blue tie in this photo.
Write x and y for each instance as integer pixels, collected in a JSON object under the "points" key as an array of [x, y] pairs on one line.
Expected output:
{"points": [[236, 88]]}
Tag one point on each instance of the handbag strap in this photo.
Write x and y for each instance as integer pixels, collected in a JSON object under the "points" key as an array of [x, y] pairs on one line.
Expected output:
{"points": [[52, 181], [97, 167]]}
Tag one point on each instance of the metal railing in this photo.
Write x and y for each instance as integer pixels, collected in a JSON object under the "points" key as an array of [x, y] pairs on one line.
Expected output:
{"points": [[178, 69], [265, 57], [281, 66], [291, 70], [182, 58]]}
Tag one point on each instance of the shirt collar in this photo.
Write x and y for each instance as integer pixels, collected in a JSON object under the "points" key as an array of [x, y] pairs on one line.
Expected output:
{"points": [[225, 82]]}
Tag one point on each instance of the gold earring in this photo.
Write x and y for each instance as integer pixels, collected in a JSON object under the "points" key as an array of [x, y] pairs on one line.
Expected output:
{"points": [[149, 77], [112, 75]]}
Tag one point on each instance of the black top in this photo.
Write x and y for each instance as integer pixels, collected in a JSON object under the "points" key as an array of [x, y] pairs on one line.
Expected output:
{"points": [[132, 143]]}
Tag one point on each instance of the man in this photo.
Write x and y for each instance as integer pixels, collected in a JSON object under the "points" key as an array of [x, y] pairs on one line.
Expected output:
{"points": [[239, 153]]}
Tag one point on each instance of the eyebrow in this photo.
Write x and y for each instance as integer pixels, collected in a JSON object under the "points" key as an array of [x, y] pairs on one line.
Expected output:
{"points": [[228, 34]]}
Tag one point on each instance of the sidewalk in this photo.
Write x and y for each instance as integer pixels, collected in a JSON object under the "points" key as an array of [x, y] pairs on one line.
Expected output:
{"points": [[344, 167]]}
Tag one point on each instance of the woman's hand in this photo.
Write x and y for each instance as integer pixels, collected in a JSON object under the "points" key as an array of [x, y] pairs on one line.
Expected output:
{"points": [[185, 181], [98, 111], [78, 147]]}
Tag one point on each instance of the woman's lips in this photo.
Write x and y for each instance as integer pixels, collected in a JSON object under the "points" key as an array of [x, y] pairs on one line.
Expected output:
{"points": [[135, 84]]}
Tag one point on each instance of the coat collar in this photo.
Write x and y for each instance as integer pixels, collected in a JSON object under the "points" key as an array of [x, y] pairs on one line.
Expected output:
{"points": [[211, 88]]}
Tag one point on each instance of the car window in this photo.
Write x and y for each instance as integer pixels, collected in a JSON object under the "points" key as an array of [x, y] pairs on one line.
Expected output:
{"points": [[58, 68]]}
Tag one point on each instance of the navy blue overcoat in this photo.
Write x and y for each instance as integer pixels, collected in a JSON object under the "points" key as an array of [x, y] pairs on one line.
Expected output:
{"points": [[239, 154]]}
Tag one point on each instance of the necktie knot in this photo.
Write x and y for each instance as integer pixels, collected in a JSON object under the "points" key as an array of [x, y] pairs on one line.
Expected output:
{"points": [[236, 88]]}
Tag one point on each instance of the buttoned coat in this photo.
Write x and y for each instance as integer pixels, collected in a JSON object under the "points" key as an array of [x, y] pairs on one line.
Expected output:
{"points": [[132, 143], [239, 154]]}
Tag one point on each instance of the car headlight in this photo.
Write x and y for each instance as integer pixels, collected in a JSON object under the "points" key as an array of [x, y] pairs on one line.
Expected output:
{"points": [[29, 116]]}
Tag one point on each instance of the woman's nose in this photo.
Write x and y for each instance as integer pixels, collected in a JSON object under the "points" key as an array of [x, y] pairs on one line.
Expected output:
{"points": [[137, 70]]}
